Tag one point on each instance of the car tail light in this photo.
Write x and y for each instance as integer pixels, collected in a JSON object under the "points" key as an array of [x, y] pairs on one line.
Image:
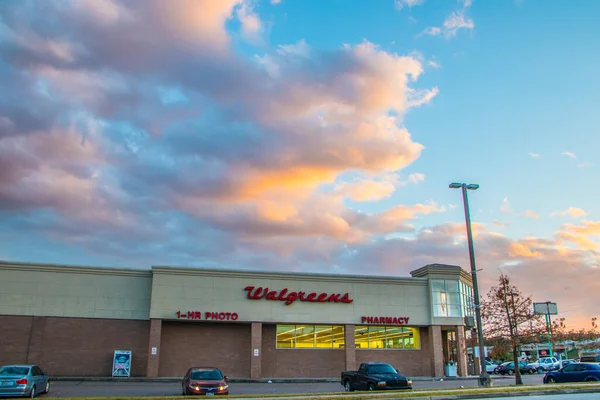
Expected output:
{"points": [[22, 381]]}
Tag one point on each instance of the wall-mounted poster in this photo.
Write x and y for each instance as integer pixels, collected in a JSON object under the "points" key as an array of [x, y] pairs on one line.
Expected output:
{"points": [[121, 363]]}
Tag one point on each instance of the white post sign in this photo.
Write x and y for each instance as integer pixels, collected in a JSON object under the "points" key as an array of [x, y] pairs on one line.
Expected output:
{"points": [[121, 363]]}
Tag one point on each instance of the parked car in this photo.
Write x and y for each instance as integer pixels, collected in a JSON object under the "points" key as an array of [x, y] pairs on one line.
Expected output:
{"points": [[207, 381], [546, 364], [576, 372], [508, 368], [23, 381], [497, 369], [490, 367], [375, 376], [564, 363], [594, 359]]}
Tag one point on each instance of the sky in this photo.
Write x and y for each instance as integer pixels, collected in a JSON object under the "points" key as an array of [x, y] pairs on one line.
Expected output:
{"points": [[307, 136]]}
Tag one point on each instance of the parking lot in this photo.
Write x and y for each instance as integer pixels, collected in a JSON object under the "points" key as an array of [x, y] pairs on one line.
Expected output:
{"points": [[149, 388]]}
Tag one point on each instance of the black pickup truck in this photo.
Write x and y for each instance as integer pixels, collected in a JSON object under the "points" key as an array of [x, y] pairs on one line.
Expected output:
{"points": [[375, 376]]}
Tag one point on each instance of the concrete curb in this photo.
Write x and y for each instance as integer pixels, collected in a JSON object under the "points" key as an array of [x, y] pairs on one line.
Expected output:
{"points": [[246, 380], [426, 396]]}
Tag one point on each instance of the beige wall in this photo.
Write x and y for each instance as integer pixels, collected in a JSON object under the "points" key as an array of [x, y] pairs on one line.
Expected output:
{"points": [[63, 291], [223, 291]]}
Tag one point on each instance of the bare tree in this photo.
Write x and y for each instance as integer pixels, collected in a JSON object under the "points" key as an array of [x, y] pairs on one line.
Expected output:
{"points": [[508, 316]]}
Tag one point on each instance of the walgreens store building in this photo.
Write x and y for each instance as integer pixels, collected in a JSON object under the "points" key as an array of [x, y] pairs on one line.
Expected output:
{"points": [[70, 320]]}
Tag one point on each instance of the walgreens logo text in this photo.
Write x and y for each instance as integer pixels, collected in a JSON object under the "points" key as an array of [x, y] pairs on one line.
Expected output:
{"points": [[257, 293]]}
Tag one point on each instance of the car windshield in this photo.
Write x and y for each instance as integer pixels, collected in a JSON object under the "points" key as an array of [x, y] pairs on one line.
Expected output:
{"points": [[382, 369], [4, 371], [207, 374]]}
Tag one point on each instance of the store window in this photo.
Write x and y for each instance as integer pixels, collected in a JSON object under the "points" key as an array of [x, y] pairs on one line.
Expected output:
{"points": [[467, 299], [310, 337], [446, 298], [386, 337]]}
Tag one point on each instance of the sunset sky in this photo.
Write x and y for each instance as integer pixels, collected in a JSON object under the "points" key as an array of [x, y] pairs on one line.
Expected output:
{"points": [[300, 135]]}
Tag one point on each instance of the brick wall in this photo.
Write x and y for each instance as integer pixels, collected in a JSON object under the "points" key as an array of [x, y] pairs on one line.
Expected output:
{"points": [[188, 344], [73, 346], [14, 338], [292, 363]]}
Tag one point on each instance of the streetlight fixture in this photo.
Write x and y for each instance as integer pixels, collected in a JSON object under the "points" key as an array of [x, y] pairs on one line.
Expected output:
{"points": [[484, 377]]}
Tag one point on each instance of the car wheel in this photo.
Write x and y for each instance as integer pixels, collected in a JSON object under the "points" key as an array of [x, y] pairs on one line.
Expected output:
{"points": [[371, 387], [510, 372], [347, 386], [32, 394], [47, 387], [551, 379]]}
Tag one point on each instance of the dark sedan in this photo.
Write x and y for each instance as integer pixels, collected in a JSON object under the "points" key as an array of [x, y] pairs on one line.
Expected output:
{"points": [[508, 368], [206, 381], [577, 372]]}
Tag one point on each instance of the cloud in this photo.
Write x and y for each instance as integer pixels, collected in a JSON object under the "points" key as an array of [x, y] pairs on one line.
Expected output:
{"points": [[98, 143], [416, 177], [454, 22], [399, 4], [531, 214], [505, 207], [369, 189], [275, 1], [589, 228], [500, 224], [251, 23], [584, 165], [574, 212], [569, 154], [534, 155]]}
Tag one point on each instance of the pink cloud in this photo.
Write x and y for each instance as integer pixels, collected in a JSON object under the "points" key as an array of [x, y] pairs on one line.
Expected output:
{"points": [[572, 211], [531, 214]]}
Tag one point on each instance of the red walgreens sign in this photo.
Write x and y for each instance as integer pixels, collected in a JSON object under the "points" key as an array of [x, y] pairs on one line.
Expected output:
{"points": [[208, 315], [385, 320], [289, 298]]}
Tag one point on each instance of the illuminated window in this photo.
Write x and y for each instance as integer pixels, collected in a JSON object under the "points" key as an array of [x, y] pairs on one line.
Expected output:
{"points": [[376, 337], [305, 336], [386, 337], [394, 338], [286, 336], [361, 337], [339, 340], [310, 337]]}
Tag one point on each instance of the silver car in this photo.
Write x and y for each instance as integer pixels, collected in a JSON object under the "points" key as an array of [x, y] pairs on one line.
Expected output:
{"points": [[23, 380]]}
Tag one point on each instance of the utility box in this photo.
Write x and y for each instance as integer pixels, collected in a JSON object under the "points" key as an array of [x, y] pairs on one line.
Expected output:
{"points": [[450, 369]]}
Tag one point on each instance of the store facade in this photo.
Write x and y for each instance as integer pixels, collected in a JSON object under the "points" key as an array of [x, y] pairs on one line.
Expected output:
{"points": [[250, 324]]}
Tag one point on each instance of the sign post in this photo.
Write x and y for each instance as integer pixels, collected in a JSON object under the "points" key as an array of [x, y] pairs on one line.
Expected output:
{"points": [[547, 308], [121, 363]]}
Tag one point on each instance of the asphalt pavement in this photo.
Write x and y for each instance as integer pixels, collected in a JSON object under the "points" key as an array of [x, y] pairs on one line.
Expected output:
{"points": [[141, 388]]}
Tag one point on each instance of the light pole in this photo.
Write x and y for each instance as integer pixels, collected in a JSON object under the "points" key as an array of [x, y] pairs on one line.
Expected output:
{"points": [[464, 188]]}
